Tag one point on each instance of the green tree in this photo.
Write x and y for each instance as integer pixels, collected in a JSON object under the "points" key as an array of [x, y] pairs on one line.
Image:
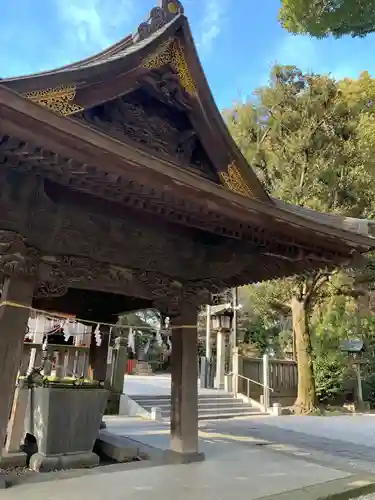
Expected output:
{"points": [[321, 18], [259, 336], [144, 323], [302, 136]]}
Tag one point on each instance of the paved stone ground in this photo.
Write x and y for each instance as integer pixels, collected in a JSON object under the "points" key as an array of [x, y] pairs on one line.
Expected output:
{"points": [[147, 385], [282, 457], [237, 466], [347, 442], [229, 471], [155, 385]]}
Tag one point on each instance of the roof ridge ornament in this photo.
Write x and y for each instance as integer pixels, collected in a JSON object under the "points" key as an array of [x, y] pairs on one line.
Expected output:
{"points": [[159, 17]]}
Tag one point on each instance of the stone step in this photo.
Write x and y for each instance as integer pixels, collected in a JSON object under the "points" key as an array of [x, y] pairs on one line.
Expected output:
{"points": [[210, 406], [164, 402], [227, 415], [218, 406], [209, 411], [201, 399], [215, 395]]}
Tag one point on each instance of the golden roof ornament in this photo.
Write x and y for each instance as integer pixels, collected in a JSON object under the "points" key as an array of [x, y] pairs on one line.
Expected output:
{"points": [[172, 53], [159, 17]]}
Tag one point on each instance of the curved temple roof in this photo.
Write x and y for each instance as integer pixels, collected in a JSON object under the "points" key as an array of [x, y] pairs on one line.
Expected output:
{"points": [[163, 40], [160, 57]]}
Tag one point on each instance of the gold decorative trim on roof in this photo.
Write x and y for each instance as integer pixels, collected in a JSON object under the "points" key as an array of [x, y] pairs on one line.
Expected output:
{"points": [[234, 181], [171, 52], [59, 100], [158, 18]]}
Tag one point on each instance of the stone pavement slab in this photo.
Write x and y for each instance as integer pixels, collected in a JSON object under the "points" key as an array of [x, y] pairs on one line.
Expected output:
{"points": [[356, 429], [148, 432], [236, 472], [236, 467], [336, 445]]}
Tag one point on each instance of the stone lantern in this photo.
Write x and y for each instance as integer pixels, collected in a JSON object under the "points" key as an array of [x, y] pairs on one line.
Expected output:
{"points": [[355, 349]]}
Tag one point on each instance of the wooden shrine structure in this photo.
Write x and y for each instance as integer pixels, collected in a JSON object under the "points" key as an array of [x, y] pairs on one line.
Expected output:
{"points": [[121, 188]]}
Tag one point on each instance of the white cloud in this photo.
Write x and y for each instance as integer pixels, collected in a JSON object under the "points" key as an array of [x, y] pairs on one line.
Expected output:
{"points": [[297, 51], [211, 24], [314, 56], [91, 22]]}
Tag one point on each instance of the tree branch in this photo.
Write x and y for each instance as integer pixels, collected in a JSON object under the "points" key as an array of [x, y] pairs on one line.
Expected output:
{"points": [[320, 279]]}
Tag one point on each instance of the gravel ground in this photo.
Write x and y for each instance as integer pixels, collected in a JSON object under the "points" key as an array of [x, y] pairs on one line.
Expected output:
{"points": [[17, 474]]}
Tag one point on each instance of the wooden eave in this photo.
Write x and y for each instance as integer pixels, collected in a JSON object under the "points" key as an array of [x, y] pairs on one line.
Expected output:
{"points": [[28, 121], [119, 60], [116, 72]]}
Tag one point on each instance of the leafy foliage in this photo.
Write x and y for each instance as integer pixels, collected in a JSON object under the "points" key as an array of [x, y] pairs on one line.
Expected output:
{"points": [[333, 323], [264, 318], [145, 324], [260, 335], [301, 135], [320, 18], [331, 373], [307, 138]]}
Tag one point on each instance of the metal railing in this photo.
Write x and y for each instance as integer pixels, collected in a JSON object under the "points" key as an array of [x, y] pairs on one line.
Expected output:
{"points": [[266, 389]]}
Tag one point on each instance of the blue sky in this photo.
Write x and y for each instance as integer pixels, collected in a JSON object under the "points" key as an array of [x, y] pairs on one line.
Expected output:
{"points": [[238, 40]]}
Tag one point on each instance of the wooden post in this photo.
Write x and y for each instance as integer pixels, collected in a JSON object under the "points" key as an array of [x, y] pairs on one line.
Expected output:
{"points": [[16, 425], [359, 385], [266, 382], [99, 354], [120, 360], [184, 397], [13, 322]]}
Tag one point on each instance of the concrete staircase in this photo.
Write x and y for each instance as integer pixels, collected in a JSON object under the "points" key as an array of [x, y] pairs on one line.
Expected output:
{"points": [[210, 406], [142, 368]]}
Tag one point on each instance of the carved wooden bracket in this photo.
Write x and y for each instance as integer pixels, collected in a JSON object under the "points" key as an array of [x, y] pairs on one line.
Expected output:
{"points": [[16, 258], [172, 53]]}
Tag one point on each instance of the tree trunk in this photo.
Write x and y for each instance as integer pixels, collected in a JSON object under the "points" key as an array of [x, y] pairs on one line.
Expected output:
{"points": [[306, 397]]}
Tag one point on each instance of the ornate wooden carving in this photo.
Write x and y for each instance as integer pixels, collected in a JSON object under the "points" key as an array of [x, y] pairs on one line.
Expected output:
{"points": [[159, 17], [165, 86], [16, 258], [151, 123], [47, 289], [79, 230], [58, 273], [65, 272], [189, 296], [125, 119], [60, 100], [171, 53], [234, 181]]}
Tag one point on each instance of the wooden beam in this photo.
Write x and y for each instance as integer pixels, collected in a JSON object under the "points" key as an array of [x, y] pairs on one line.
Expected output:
{"points": [[33, 123]]}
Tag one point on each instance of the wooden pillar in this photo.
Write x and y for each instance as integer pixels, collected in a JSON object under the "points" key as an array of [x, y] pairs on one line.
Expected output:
{"points": [[184, 398], [119, 366], [13, 322], [99, 354]]}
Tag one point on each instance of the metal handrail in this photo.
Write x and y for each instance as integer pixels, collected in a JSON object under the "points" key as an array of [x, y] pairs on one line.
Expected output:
{"points": [[254, 381]]}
